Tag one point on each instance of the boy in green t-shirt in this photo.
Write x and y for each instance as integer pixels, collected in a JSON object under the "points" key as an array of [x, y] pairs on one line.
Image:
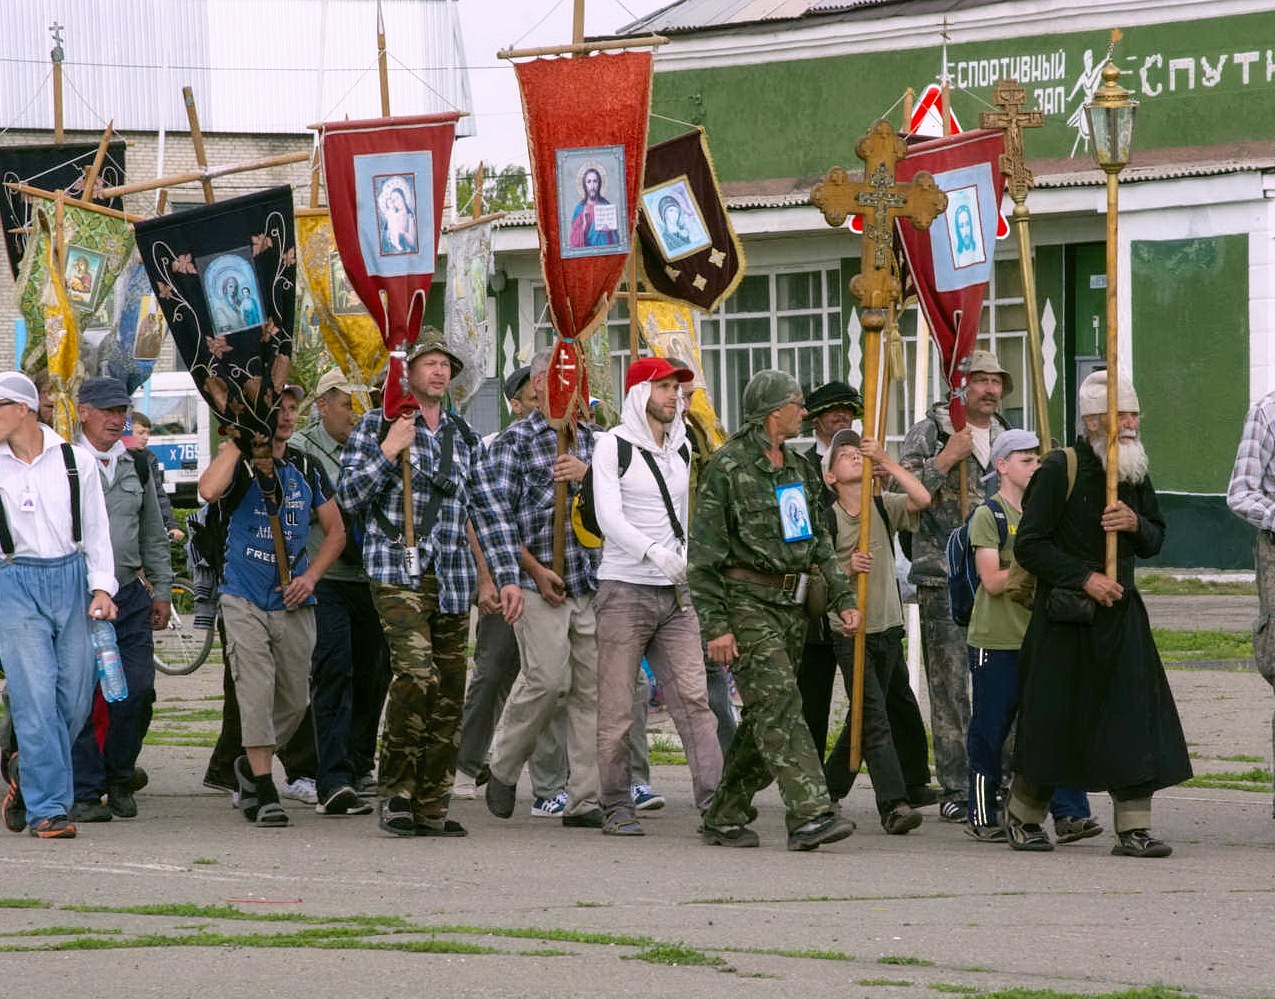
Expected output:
{"points": [[996, 629], [883, 620]]}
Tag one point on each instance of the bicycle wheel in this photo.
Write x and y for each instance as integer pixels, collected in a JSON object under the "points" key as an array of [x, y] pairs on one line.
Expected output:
{"points": [[181, 648]]}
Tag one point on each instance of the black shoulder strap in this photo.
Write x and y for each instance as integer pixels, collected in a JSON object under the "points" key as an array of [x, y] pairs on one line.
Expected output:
{"points": [[441, 482], [1002, 522], [143, 466], [879, 502], [664, 495], [623, 455], [73, 475]]}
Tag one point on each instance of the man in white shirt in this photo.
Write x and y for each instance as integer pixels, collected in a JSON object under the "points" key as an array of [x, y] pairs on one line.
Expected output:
{"points": [[45, 581], [643, 605]]}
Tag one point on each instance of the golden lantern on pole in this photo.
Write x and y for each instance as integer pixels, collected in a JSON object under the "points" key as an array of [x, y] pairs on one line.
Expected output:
{"points": [[1111, 112]]}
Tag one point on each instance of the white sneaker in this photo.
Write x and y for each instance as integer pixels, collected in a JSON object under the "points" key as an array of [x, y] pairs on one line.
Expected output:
{"points": [[301, 789], [464, 787]]}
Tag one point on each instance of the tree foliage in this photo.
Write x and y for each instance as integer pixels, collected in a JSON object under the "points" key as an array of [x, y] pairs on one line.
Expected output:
{"points": [[505, 189]]}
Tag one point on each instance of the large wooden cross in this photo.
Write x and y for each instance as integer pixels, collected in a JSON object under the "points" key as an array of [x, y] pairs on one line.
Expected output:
{"points": [[1011, 119], [880, 200]]}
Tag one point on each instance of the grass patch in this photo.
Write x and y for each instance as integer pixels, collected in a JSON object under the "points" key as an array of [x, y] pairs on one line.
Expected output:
{"points": [[964, 990], [209, 861], [1176, 646], [180, 739], [1257, 779], [23, 903], [183, 714], [679, 955], [1241, 758], [912, 961], [898, 982], [665, 752], [1154, 992], [808, 953], [60, 931], [1164, 584]]}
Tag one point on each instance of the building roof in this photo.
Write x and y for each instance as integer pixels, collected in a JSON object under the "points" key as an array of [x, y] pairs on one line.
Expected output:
{"points": [[686, 16]]}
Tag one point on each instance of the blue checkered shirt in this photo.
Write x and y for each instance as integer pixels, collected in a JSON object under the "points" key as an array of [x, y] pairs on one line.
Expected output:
{"points": [[522, 463], [370, 482]]}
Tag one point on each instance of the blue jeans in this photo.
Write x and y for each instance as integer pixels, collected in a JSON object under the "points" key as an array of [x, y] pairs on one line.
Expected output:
{"points": [[48, 663], [350, 655], [96, 769], [994, 707]]}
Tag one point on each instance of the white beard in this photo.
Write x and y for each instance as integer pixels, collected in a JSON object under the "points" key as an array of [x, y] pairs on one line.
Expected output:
{"points": [[1131, 462]]}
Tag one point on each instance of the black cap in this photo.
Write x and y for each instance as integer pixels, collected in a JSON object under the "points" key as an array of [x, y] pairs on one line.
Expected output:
{"points": [[104, 393], [834, 395], [515, 382]]}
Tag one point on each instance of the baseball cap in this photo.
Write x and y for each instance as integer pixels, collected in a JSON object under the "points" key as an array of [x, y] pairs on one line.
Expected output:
{"points": [[653, 369], [1010, 442], [103, 393], [334, 379], [842, 436], [514, 383], [17, 387]]}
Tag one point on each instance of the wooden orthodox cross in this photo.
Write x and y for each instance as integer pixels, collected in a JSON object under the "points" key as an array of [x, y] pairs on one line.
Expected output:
{"points": [[1011, 119], [880, 200]]}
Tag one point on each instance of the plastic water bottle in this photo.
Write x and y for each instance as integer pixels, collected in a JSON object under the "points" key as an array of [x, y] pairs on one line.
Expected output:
{"points": [[106, 653]]}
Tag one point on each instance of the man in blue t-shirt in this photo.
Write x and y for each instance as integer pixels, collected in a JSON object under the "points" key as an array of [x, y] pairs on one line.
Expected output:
{"points": [[270, 628]]}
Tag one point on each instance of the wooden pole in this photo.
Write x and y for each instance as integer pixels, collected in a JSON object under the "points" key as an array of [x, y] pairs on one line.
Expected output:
{"points": [[90, 177], [59, 136], [582, 48], [194, 175], [1027, 268], [1113, 347], [382, 62], [88, 206], [197, 140], [635, 327], [476, 203], [873, 323]]}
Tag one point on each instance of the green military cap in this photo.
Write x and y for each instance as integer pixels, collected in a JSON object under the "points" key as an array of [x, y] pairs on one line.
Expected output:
{"points": [[428, 342], [766, 392]]}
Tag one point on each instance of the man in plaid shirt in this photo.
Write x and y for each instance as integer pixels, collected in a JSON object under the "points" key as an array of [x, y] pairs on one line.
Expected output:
{"points": [[1251, 497], [423, 594], [556, 635]]}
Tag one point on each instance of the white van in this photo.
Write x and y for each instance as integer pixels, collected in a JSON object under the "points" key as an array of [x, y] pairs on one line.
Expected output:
{"points": [[181, 431]]}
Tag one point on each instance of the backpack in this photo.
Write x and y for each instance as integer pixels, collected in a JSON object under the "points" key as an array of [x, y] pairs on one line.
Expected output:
{"points": [[209, 526], [962, 574], [584, 514]]}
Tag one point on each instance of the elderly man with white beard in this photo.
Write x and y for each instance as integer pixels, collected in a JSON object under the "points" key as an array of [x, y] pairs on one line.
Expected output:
{"points": [[1096, 708]]}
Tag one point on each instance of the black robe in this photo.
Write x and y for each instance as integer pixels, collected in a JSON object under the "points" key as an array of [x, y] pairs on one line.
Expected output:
{"points": [[1096, 709]]}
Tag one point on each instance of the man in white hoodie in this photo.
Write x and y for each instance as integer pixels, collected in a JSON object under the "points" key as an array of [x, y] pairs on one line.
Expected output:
{"points": [[641, 481]]}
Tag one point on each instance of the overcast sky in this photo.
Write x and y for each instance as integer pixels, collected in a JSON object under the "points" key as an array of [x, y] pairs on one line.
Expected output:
{"points": [[492, 25]]}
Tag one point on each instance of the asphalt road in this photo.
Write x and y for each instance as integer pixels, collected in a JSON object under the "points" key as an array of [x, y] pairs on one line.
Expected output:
{"points": [[573, 913]]}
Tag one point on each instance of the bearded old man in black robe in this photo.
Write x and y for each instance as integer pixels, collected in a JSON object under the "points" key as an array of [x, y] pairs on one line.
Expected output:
{"points": [[1096, 709]]}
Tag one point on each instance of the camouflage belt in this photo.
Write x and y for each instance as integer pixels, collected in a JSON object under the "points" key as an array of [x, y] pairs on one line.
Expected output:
{"points": [[788, 583]]}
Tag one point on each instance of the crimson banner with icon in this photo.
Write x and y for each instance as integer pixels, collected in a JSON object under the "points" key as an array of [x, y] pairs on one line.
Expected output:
{"points": [[225, 278], [586, 133], [387, 182], [951, 262]]}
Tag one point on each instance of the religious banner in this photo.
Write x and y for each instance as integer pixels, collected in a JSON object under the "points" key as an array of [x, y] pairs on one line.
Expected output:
{"points": [[225, 278], [669, 331], [129, 351], [586, 133], [348, 329], [58, 300], [50, 168], [689, 249], [387, 181], [951, 262], [466, 326]]}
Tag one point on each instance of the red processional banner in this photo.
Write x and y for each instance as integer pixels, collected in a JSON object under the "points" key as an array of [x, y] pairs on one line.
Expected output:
{"points": [[951, 261], [387, 181], [586, 133]]}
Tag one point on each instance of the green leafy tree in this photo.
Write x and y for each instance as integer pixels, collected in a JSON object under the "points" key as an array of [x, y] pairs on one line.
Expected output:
{"points": [[507, 189]]}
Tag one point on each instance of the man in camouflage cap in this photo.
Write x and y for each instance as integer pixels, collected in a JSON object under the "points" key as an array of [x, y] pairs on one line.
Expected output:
{"points": [[758, 531], [934, 451]]}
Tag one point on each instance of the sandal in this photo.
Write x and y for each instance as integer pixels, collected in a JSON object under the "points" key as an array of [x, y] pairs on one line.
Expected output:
{"points": [[440, 827], [623, 825], [247, 799], [271, 816]]}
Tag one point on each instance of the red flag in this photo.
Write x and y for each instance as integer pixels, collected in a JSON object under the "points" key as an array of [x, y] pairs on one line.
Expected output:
{"points": [[586, 133], [387, 181], [951, 261]]}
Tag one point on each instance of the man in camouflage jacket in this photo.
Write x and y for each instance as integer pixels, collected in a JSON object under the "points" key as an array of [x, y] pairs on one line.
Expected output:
{"points": [[933, 451], [758, 529]]}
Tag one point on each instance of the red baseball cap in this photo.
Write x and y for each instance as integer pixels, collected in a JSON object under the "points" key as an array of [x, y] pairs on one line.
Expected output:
{"points": [[653, 369]]}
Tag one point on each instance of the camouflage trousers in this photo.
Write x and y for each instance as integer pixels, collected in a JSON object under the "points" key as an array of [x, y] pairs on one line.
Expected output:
{"points": [[772, 741], [947, 677], [422, 712], [1264, 630]]}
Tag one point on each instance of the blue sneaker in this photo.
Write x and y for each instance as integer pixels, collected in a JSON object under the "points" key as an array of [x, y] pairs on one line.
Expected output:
{"points": [[549, 808], [646, 800]]}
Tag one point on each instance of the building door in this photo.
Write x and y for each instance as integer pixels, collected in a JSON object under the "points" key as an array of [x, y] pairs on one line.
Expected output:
{"points": [[1086, 321]]}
